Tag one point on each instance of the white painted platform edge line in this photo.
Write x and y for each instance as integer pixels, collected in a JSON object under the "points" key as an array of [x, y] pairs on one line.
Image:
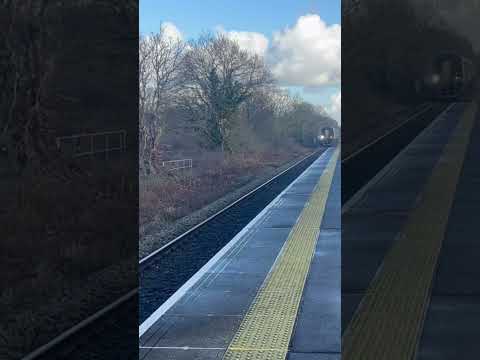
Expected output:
{"points": [[153, 318], [359, 194]]}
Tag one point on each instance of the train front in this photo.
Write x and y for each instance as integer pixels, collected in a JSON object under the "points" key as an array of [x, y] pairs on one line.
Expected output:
{"points": [[327, 136], [450, 77]]}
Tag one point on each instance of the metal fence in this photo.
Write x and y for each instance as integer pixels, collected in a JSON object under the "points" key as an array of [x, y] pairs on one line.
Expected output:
{"points": [[172, 165], [92, 143]]}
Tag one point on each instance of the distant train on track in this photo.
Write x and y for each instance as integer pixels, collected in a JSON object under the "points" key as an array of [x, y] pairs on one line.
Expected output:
{"points": [[328, 136], [449, 77]]}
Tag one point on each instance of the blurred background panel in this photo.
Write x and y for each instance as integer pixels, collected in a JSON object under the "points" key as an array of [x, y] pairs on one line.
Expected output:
{"points": [[69, 176], [410, 133]]}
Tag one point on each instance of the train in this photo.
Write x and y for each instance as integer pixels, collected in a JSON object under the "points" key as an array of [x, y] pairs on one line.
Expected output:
{"points": [[327, 136], [449, 77]]}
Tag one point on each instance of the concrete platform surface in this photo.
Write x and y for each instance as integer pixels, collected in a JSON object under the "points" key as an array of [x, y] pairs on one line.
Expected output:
{"points": [[375, 221], [201, 319]]}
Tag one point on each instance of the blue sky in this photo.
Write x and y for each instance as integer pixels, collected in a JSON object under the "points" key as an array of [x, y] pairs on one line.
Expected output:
{"points": [[192, 17], [265, 16]]}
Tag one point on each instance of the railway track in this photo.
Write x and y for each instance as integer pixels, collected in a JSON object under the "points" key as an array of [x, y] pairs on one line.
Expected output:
{"points": [[362, 165], [163, 272], [112, 332]]}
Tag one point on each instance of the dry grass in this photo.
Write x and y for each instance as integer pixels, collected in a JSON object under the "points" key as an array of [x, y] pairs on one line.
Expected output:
{"points": [[167, 197]]}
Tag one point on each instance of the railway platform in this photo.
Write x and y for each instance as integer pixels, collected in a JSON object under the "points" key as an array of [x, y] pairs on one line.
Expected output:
{"points": [[410, 253], [273, 292]]}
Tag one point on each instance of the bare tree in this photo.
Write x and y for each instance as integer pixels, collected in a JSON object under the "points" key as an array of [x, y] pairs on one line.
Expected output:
{"points": [[159, 65], [219, 77], [25, 68], [282, 102]]}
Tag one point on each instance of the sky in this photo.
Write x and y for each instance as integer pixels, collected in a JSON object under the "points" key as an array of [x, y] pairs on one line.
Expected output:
{"points": [[300, 40]]}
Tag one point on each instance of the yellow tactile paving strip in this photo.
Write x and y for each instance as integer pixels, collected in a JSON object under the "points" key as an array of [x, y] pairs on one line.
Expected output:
{"points": [[389, 321], [268, 325]]}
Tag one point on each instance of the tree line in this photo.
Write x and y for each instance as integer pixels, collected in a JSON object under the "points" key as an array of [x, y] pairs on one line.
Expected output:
{"points": [[212, 87]]}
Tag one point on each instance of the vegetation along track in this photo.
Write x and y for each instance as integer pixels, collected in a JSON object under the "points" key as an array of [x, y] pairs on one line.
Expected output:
{"points": [[361, 166], [165, 271]]}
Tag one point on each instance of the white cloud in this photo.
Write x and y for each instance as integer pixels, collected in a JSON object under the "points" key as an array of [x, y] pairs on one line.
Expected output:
{"points": [[170, 31], [308, 54], [253, 42], [335, 107]]}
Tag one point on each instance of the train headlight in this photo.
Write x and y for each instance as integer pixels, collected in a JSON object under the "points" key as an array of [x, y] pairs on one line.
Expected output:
{"points": [[435, 79], [322, 137]]}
